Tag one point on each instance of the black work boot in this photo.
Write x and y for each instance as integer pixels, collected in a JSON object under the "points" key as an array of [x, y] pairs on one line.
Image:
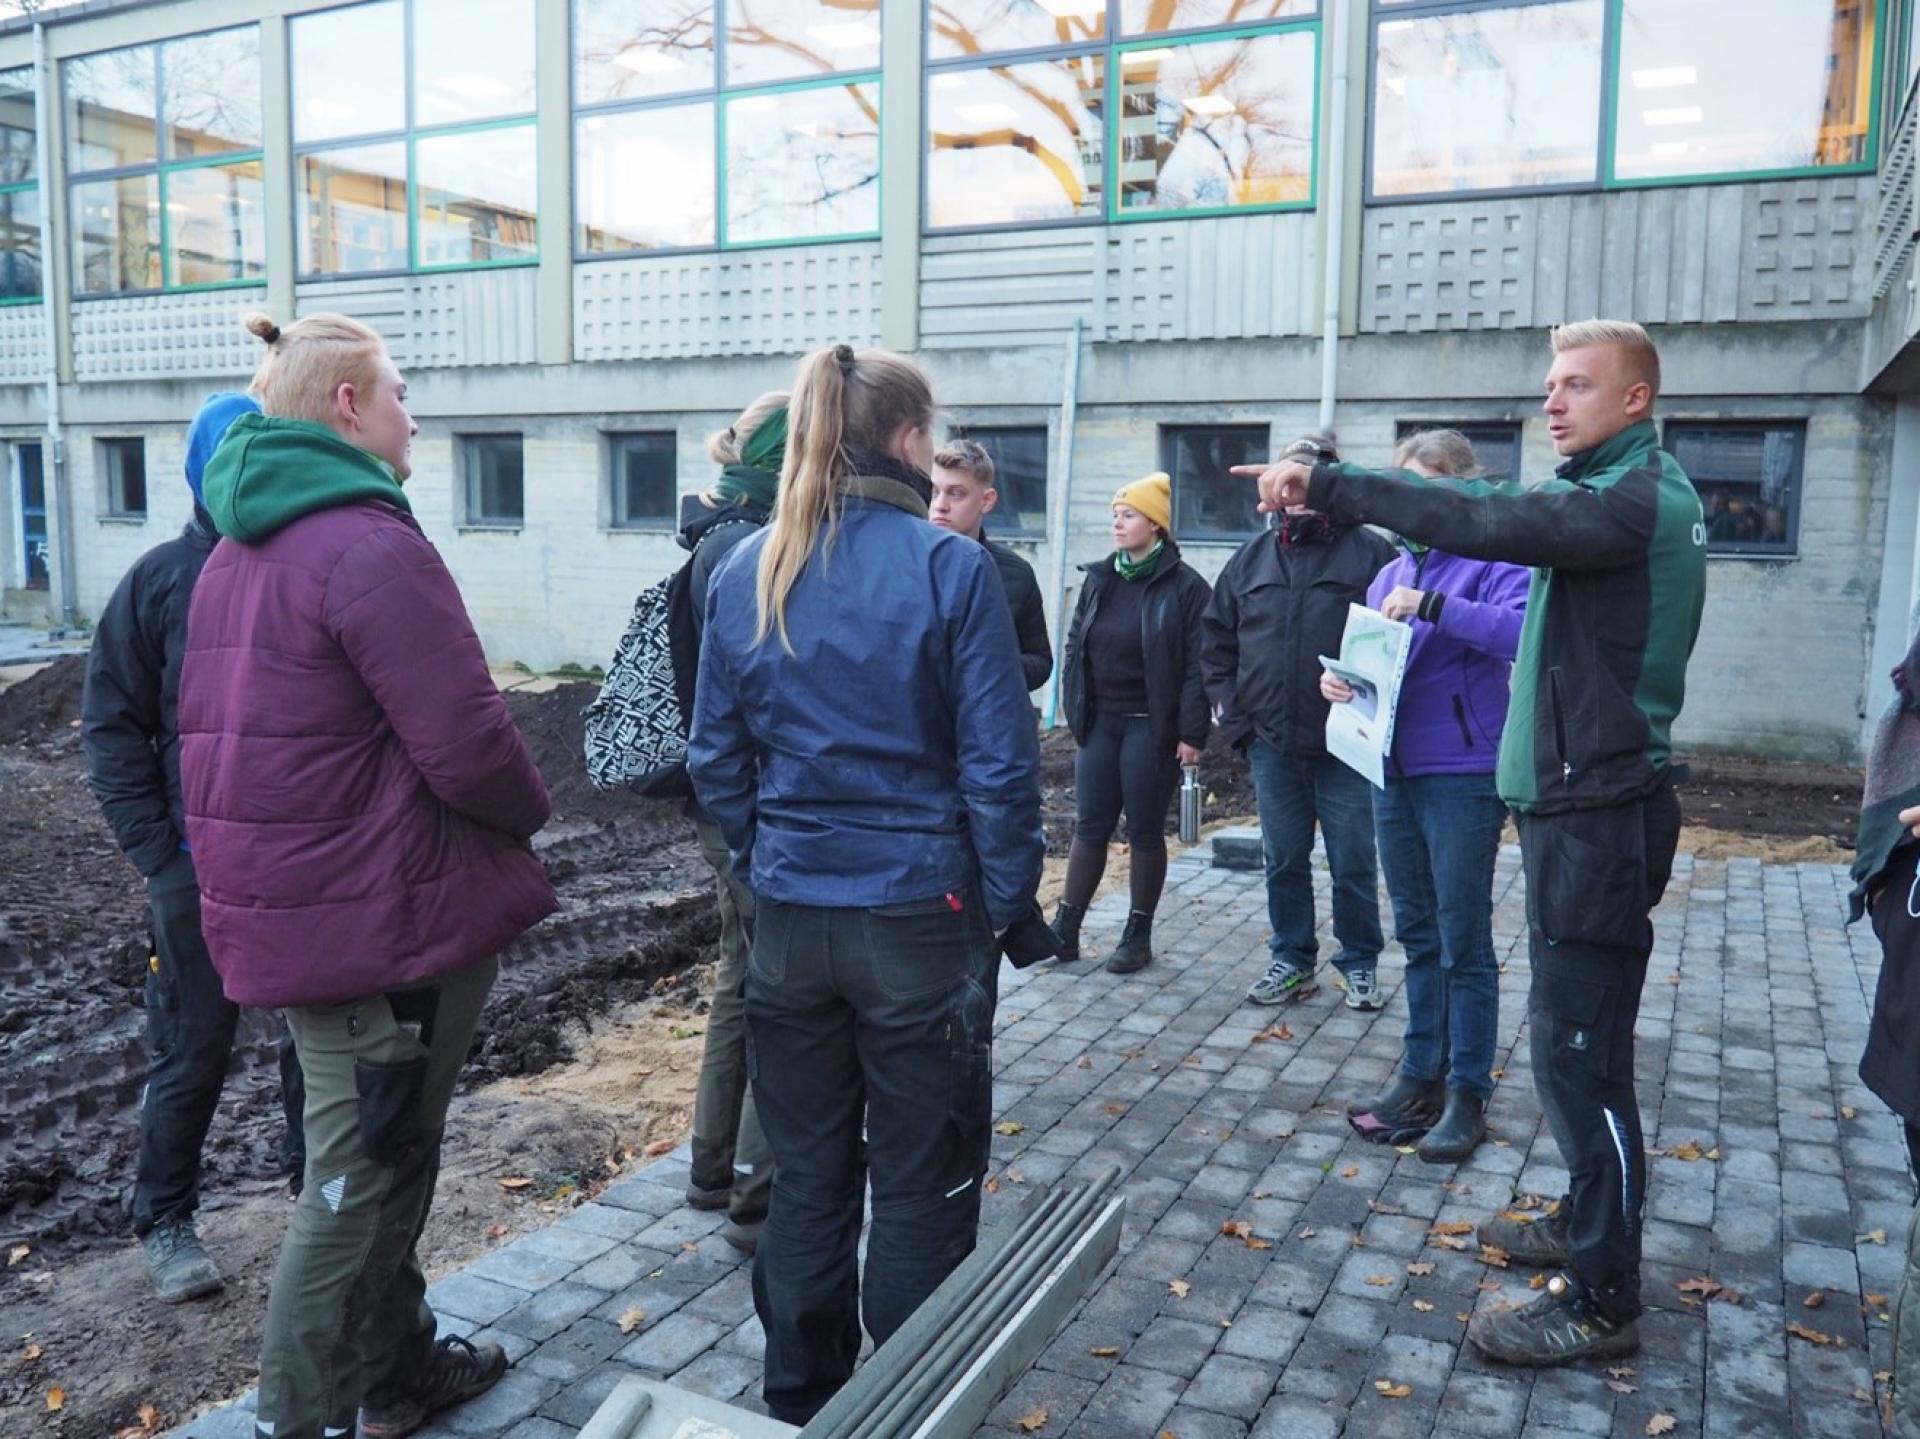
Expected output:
{"points": [[1418, 1099], [458, 1371], [1563, 1325], [1539, 1243], [1066, 924], [1461, 1128], [1134, 952]]}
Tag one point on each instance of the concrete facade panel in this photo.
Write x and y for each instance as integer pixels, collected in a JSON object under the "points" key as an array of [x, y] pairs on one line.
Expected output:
{"points": [[165, 336], [23, 344]]}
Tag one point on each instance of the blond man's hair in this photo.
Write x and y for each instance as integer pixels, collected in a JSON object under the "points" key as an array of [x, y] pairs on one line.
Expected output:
{"points": [[309, 360], [1630, 339], [968, 457]]}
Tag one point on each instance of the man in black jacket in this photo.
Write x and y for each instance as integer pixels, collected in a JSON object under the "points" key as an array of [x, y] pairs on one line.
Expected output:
{"points": [[131, 739], [1281, 603], [963, 497]]}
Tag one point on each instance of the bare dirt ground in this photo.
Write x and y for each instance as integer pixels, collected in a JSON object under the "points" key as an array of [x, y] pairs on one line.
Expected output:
{"points": [[587, 1053]]}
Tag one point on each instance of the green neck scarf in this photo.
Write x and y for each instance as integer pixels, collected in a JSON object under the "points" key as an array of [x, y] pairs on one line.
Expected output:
{"points": [[1128, 568], [756, 479]]}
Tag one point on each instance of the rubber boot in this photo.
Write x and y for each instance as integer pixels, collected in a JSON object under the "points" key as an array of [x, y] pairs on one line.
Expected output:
{"points": [[1135, 950], [1066, 924], [1405, 1095], [1461, 1128]]}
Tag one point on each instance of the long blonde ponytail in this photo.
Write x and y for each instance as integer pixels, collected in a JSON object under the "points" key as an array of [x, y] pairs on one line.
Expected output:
{"points": [[843, 404]]}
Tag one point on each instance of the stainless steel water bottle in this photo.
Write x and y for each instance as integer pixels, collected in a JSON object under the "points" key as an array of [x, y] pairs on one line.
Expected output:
{"points": [[1190, 804]]}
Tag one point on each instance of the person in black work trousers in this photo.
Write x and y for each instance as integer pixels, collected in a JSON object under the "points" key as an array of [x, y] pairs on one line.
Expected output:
{"points": [[130, 734], [1133, 697], [863, 738]]}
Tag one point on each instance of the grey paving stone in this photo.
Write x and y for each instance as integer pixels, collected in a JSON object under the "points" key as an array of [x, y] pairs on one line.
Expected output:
{"points": [[466, 1295], [1230, 1385], [1131, 1401], [522, 1266], [672, 1343], [1061, 1396], [514, 1398], [720, 1375], [576, 1350], [546, 1313]]}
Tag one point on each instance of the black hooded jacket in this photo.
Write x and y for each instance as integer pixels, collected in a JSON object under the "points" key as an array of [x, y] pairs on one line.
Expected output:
{"points": [[1174, 598], [1029, 613], [128, 723]]}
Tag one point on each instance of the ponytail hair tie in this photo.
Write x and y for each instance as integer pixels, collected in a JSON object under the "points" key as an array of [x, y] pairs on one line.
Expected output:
{"points": [[843, 355]]}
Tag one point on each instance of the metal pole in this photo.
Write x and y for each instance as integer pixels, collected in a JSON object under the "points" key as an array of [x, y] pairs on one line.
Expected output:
{"points": [[1335, 203], [1069, 408], [59, 501]]}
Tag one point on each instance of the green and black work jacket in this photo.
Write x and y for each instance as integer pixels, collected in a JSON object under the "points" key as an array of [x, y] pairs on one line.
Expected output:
{"points": [[1619, 549]]}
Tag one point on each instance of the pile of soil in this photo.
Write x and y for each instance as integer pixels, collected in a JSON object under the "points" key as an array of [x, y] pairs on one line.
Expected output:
{"points": [[635, 911], [1773, 800]]}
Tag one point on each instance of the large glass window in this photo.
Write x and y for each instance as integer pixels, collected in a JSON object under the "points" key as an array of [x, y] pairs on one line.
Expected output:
{"points": [[1488, 99], [1748, 476], [122, 464], [1193, 106], [163, 152], [20, 222], [643, 471], [1208, 501], [1492, 95], [414, 136], [1737, 87], [777, 142], [495, 466]]}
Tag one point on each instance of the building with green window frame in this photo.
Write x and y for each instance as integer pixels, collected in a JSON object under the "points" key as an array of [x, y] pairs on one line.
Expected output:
{"points": [[1121, 235]]}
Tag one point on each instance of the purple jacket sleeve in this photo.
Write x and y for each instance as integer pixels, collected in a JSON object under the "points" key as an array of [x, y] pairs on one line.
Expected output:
{"points": [[398, 616], [1491, 623]]}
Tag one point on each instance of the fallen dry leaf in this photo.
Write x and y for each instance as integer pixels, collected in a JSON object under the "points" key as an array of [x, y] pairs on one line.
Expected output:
{"points": [[1488, 1286], [496, 1231], [1452, 1226], [1307, 1233], [1661, 1424], [1539, 1281], [1873, 1236], [1420, 1270], [31, 1353], [56, 1400], [1032, 1423], [516, 1181], [1879, 1301], [1407, 1148], [1496, 1256], [1236, 1228], [1181, 1289], [16, 1254], [1847, 1111], [1105, 1351], [993, 1185], [658, 1148], [1352, 1171], [1254, 1242], [1706, 1288], [1620, 1386], [1815, 1299], [1620, 1371], [1008, 1126], [1380, 1281], [1116, 1108], [1423, 1306], [1448, 1241], [1690, 1151], [1388, 1389], [683, 1031], [1085, 1063], [1814, 1336], [632, 1319], [1463, 1316]]}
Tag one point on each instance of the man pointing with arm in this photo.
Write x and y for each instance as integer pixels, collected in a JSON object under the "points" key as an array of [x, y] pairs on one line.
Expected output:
{"points": [[1618, 543]]}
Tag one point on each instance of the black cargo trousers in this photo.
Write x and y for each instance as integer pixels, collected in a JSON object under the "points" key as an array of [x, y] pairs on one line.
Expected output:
{"points": [[870, 1035], [1593, 879]]}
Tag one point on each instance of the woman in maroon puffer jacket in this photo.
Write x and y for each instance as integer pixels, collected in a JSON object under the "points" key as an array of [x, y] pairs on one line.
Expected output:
{"points": [[359, 806]]}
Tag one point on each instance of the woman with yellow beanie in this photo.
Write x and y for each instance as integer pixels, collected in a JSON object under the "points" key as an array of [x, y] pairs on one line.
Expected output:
{"points": [[1137, 708]]}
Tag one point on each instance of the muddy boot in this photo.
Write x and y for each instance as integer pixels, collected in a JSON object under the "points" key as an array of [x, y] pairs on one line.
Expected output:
{"points": [[1066, 924], [179, 1266], [1563, 1325], [1416, 1098], [744, 1237], [1542, 1243], [459, 1371], [1460, 1130], [1135, 950]]}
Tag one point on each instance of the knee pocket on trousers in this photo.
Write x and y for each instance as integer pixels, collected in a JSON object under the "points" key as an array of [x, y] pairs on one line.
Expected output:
{"points": [[1577, 1013], [390, 1093]]}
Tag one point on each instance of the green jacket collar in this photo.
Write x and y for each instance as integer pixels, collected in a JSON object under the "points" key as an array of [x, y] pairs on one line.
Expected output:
{"points": [[270, 472], [1634, 440], [886, 492]]}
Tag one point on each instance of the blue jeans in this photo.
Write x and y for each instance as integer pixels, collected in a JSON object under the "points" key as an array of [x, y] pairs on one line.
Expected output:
{"points": [[1292, 794], [1439, 836]]}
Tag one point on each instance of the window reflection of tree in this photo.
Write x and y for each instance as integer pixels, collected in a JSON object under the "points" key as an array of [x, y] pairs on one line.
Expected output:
{"points": [[209, 106], [949, 22], [687, 34], [757, 180], [1177, 14], [1070, 172], [1254, 125], [746, 33]]}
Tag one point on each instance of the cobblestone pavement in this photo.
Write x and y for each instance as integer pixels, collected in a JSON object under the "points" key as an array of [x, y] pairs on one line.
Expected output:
{"points": [[1751, 1028]]}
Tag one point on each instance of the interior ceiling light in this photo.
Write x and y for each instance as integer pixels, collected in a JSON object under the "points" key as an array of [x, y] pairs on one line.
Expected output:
{"points": [[1665, 77], [991, 113], [1678, 115], [1073, 9], [1140, 59], [645, 61], [1211, 106], [846, 34]]}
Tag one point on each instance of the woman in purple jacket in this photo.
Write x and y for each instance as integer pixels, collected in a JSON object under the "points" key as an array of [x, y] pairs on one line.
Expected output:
{"points": [[360, 807], [1438, 820]]}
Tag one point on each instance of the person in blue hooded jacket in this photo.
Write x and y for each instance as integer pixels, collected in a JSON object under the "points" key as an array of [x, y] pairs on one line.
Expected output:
{"points": [[862, 736], [130, 734]]}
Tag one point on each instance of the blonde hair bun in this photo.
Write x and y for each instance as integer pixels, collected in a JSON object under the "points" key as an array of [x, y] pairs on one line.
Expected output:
{"points": [[263, 326]]}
